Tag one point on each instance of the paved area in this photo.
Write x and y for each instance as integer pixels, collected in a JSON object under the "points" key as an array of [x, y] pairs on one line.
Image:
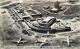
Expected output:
{"points": [[6, 20]]}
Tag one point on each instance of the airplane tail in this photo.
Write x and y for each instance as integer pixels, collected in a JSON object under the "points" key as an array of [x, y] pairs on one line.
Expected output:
{"points": [[68, 40], [48, 32], [36, 41]]}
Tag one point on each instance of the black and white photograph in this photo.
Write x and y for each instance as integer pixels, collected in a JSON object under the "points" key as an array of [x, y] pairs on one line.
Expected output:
{"points": [[39, 24]]}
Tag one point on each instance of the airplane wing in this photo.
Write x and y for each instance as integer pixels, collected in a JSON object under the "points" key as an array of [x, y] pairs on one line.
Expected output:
{"points": [[14, 41], [24, 41], [18, 42], [42, 44]]}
